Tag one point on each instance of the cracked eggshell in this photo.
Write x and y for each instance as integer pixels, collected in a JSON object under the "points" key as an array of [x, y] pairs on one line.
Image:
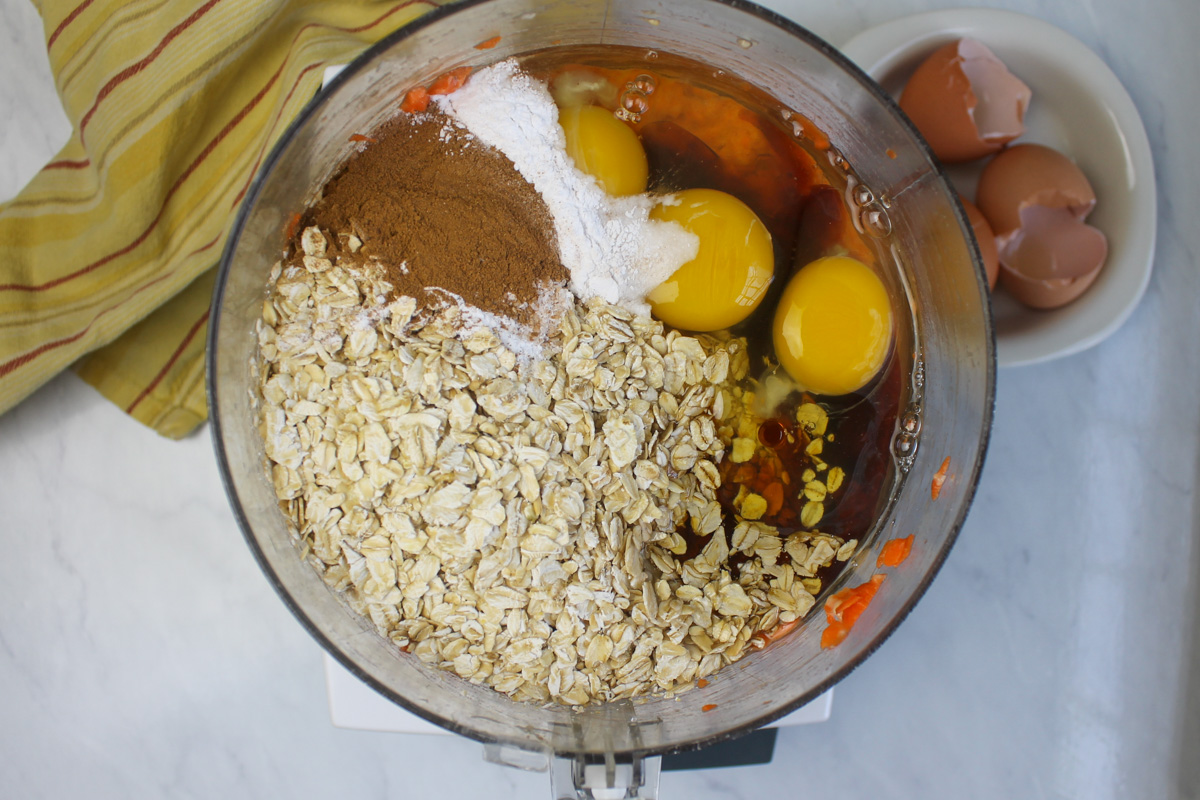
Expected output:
{"points": [[1036, 200], [986, 239], [965, 102], [1028, 174], [1045, 294]]}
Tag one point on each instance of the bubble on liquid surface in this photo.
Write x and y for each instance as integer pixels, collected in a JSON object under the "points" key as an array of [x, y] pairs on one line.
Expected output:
{"points": [[633, 105], [633, 102], [869, 215], [904, 445], [642, 83], [875, 221], [908, 426], [862, 195]]}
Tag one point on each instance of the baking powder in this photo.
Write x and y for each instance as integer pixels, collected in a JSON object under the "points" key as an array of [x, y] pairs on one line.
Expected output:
{"points": [[611, 247]]}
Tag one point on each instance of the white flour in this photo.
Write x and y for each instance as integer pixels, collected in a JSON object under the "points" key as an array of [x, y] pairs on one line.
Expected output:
{"points": [[527, 342], [610, 246]]}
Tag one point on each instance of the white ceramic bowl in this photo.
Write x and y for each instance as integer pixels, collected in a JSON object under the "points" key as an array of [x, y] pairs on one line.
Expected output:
{"points": [[1080, 108]]}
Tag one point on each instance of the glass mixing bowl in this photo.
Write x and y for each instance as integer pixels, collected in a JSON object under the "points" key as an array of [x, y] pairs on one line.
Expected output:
{"points": [[910, 210]]}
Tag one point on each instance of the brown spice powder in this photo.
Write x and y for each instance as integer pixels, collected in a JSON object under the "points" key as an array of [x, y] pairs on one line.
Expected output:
{"points": [[436, 208]]}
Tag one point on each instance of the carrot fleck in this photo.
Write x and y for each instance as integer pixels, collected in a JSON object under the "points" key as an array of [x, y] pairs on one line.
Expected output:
{"points": [[773, 494], [935, 488], [488, 44], [844, 608], [416, 101], [293, 223], [834, 635], [708, 707], [358, 137], [777, 633], [891, 153], [451, 81], [894, 552], [700, 684]]}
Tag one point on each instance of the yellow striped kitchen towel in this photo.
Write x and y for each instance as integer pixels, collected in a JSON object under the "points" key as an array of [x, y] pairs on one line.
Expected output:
{"points": [[106, 256]]}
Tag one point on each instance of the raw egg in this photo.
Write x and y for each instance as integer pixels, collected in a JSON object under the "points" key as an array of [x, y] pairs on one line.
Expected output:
{"points": [[833, 325], [1036, 200], [581, 86], [727, 279], [965, 102], [605, 148]]}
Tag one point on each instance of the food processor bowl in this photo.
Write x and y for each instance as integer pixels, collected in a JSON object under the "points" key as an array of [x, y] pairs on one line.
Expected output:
{"points": [[903, 202]]}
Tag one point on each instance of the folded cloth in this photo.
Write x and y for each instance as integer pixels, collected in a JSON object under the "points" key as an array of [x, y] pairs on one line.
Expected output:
{"points": [[106, 257]]}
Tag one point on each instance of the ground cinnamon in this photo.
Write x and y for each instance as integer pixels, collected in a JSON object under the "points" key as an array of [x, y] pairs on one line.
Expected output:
{"points": [[438, 209]]}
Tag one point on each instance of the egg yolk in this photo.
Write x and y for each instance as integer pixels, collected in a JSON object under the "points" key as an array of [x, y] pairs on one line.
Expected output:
{"points": [[727, 279], [605, 148], [833, 325]]}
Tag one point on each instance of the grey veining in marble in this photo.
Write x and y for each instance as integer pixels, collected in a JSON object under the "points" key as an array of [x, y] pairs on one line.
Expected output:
{"points": [[1057, 655]]}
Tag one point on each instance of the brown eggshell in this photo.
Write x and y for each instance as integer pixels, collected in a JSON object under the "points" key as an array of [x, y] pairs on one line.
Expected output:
{"points": [[1052, 244], [965, 102], [1030, 174], [1036, 200], [1045, 294], [986, 240]]}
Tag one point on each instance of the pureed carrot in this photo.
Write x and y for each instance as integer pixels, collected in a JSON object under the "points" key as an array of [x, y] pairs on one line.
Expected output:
{"points": [[416, 101], [844, 608], [450, 82], [894, 552], [292, 224], [778, 632], [417, 98], [939, 478]]}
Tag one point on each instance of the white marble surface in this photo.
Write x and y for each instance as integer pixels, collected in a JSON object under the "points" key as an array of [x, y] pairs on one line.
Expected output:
{"points": [[1057, 655]]}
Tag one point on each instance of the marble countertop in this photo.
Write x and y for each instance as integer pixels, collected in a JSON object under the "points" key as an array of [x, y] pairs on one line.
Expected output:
{"points": [[143, 654]]}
